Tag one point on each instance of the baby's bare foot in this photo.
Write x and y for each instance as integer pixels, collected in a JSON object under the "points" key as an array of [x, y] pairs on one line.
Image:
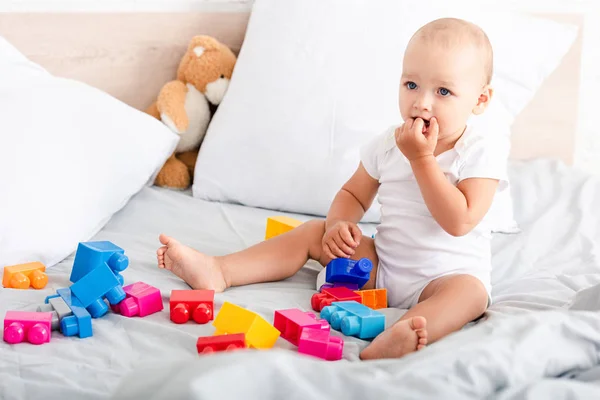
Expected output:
{"points": [[196, 269], [401, 338]]}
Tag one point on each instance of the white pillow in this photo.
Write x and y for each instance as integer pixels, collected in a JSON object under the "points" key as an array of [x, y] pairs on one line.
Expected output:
{"points": [[70, 156], [316, 79]]}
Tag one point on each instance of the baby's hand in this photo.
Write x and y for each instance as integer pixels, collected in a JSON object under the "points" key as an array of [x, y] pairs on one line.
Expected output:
{"points": [[341, 239], [415, 140]]}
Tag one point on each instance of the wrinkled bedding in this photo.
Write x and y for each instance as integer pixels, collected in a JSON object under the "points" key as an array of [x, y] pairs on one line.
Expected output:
{"points": [[539, 339]]}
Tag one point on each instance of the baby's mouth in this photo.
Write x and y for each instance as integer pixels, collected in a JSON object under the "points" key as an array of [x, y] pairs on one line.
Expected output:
{"points": [[426, 121]]}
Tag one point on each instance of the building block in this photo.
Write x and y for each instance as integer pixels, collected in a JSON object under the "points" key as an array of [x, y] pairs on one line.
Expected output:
{"points": [[235, 319], [373, 298], [59, 310], [80, 323], [33, 327], [197, 304], [93, 287], [210, 344], [320, 300], [23, 276], [344, 270], [90, 255], [141, 299], [354, 319], [318, 343], [292, 321], [280, 225], [351, 286]]}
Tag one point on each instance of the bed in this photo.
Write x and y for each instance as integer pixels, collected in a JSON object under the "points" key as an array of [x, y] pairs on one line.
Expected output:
{"points": [[540, 338]]}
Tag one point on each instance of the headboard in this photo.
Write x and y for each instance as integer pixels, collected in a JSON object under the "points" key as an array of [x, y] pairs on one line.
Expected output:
{"points": [[133, 63]]}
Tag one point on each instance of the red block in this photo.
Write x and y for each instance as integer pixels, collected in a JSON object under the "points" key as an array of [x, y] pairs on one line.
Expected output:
{"points": [[210, 344], [290, 323], [328, 296], [195, 304]]}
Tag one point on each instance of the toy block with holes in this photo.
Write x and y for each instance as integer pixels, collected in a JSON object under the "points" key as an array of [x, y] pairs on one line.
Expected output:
{"points": [[351, 286], [280, 225], [235, 319], [320, 300], [59, 310], [195, 304], [80, 323], [24, 276], [354, 319], [141, 299], [27, 326], [95, 286], [211, 344], [292, 321], [373, 298], [90, 255], [344, 270], [319, 343]]}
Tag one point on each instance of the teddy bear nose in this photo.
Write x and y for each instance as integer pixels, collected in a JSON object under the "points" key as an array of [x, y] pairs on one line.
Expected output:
{"points": [[222, 76]]}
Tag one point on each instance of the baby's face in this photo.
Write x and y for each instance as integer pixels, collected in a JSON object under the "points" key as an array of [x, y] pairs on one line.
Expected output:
{"points": [[445, 83]]}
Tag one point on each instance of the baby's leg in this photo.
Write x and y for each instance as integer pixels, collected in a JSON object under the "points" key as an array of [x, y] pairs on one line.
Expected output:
{"points": [[446, 305], [271, 260]]}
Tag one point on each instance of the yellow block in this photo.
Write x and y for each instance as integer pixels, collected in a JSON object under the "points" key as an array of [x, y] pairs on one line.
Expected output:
{"points": [[373, 298], [235, 319], [23, 275], [279, 225]]}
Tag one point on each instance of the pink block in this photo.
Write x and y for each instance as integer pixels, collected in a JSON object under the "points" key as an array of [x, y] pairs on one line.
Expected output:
{"points": [[292, 321], [141, 299], [34, 327], [318, 343]]}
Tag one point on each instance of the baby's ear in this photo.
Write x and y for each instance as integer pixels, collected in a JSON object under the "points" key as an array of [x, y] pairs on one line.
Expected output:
{"points": [[484, 99]]}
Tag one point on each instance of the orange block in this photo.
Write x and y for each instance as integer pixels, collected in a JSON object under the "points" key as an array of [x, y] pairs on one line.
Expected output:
{"points": [[373, 298], [279, 225], [23, 276]]}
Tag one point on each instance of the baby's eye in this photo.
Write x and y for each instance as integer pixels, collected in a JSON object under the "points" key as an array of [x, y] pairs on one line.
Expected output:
{"points": [[411, 85], [444, 92]]}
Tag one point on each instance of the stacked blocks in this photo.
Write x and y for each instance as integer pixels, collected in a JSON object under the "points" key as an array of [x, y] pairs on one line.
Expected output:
{"points": [[320, 300], [141, 300], [23, 276], [259, 334], [354, 319], [351, 286], [280, 225], [80, 322], [33, 327], [58, 308], [91, 254], [343, 270], [211, 344], [94, 286], [195, 304]]}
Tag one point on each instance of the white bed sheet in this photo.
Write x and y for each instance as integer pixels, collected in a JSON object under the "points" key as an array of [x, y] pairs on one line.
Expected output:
{"points": [[541, 268]]}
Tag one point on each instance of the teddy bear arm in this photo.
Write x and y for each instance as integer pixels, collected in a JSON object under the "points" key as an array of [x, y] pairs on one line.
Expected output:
{"points": [[171, 106]]}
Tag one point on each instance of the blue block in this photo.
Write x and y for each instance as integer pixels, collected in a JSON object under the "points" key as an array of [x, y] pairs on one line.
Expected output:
{"points": [[80, 323], [93, 287], [354, 319], [344, 270], [90, 255]]}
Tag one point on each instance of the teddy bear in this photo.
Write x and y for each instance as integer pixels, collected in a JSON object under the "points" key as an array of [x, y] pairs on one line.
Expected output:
{"points": [[186, 104]]}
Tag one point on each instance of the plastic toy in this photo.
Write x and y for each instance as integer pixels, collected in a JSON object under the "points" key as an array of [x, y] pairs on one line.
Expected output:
{"points": [[373, 298], [23, 276], [235, 319], [291, 323], [90, 255], [92, 288], [141, 299], [351, 286], [320, 300], [210, 344], [318, 343], [198, 303], [33, 327], [280, 225], [80, 323], [344, 270], [354, 319], [59, 310]]}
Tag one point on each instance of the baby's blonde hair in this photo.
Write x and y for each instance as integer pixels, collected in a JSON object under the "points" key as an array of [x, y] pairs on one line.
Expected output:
{"points": [[453, 31]]}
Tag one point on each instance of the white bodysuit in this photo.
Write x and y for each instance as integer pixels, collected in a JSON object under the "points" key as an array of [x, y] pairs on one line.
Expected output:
{"points": [[413, 249]]}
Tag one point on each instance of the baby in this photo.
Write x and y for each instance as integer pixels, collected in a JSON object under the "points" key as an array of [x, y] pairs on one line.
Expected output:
{"points": [[436, 176]]}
